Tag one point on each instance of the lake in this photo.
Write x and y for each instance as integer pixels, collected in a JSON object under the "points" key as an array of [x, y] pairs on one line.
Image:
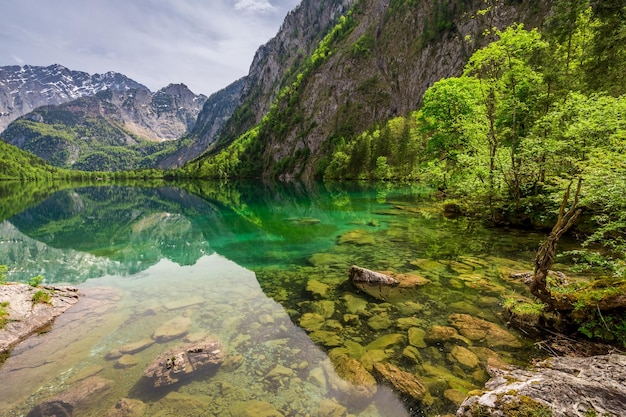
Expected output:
{"points": [[264, 270]]}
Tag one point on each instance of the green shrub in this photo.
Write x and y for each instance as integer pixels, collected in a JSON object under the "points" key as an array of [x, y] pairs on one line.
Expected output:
{"points": [[42, 297]]}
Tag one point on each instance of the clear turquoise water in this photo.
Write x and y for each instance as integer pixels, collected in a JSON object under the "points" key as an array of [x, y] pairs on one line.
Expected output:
{"points": [[243, 263]]}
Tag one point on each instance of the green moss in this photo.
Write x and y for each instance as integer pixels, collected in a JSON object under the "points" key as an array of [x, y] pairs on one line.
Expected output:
{"points": [[42, 297], [4, 314], [525, 406]]}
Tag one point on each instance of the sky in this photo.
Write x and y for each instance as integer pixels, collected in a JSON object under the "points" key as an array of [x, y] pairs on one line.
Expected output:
{"points": [[205, 44]]}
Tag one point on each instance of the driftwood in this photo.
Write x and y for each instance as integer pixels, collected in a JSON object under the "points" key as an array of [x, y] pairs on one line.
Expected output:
{"points": [[546, 253]]}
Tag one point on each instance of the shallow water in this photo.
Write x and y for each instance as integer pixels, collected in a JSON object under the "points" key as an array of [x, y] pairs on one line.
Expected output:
{"points": [[264, 270]]}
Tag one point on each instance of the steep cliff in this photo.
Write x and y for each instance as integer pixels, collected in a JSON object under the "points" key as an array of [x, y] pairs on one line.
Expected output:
{"points": [[276, 62], [216, 111], [24, 88], [376, 65]]}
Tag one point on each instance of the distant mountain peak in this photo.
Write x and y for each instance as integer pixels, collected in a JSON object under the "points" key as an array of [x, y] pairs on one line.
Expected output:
{"points": [[24, 88]]}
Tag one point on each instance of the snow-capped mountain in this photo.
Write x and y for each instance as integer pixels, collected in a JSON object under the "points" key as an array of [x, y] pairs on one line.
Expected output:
{"points": [[24, 88]]}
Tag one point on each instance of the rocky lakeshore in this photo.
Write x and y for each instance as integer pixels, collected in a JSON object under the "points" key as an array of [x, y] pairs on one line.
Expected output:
{"points": [[25, 315]]}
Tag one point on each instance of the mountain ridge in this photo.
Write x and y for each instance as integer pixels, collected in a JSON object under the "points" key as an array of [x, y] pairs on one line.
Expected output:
{"points": [[24, 88]]}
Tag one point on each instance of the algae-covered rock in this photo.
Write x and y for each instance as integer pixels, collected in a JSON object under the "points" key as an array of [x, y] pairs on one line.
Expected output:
{"points": [[325, 308], [484, 331], [317, 289], [403, 382], [441, 334], [331, 408], [405, 323], [412, 353], [76, 398], [326, 338], [409, 308], [349, 378], [358, 237], [126, 361], [254, 408], [132, 348], [464, 356], [416, 337], [386, 341], [455, 396], [380, 321], [371, 357], [355, 304], [127, 407], [311, 321]]}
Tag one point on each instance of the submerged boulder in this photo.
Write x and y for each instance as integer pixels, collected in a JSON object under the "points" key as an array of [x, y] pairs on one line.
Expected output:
{"points": [[75, 398], [180, 363], [387, 286], [349, 378], [560, 387], [401, 381], [479, 330]]}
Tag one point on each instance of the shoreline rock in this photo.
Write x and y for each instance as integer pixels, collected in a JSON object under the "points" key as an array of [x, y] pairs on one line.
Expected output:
{"points": [[25, 317], [565, 386]]}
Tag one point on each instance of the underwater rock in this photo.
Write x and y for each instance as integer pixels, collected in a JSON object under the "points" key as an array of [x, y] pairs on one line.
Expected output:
{"points": [[179, 363], [311, 321], [279, 371], [365, 276], [26, 317], [326, 338], [455, 396], [76, 397], [416, 337], [484, 331], [441, 334], [132, 348], [409, 308], [464, 356], [231, 363], [380, 321], [126, 361], [559, 386], [358, 237], [172, 329], [317, 289], [354, 304], [412, 353], [127, 407], [330, 408], [349, 378], [386, 341], [254, 408], [186, 404], [317, 378], [369, 358], [325, 308], [401, 381], [185, 302]]}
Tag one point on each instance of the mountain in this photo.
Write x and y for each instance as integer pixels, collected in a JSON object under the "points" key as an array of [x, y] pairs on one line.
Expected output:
{"points": [[24, 88], [217, 110], [275, 62], [375, 62], [112, 130]]}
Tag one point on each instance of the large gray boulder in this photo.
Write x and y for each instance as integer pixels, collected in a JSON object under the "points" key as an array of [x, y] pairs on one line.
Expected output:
{"points": [[562, 386]]}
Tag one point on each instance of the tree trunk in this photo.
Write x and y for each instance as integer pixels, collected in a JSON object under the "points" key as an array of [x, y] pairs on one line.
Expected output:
{"points": [[546, 253]]}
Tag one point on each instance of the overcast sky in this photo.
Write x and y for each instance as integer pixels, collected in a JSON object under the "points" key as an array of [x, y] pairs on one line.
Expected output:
{"points": [[205, 44]]}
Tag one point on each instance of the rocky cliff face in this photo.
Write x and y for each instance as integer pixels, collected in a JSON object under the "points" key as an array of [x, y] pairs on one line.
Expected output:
{"points": [[24, 88], [165, 115], [383, 67], [275, 62], [216, 111], [378, 68]]}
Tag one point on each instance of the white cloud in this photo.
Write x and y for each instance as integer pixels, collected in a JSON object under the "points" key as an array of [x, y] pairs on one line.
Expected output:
{"points": [[262, 6], [204, 44]]}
